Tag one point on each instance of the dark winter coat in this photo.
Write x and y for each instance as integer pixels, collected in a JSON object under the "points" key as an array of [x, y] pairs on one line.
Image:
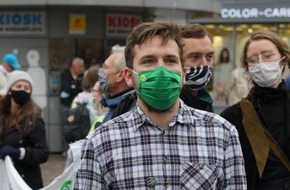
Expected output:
{"points": [[71, 86], [36, 152], [271, 106]]}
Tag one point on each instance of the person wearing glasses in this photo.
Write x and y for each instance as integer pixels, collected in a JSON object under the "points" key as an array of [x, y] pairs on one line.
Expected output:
{"points": [[265, 56]]}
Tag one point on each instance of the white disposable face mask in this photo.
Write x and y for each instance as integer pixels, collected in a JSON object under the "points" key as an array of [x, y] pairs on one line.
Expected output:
{"points": [[265, 74]]}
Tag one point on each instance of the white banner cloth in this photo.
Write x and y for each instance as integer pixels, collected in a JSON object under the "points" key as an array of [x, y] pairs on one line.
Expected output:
{"points": [[11, 180]]}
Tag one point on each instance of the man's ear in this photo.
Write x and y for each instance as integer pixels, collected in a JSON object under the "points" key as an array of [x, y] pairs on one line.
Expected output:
{"points": [[120, 76], [128, 77]]}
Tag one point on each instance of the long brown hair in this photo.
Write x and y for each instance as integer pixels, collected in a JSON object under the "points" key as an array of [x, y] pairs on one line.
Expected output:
{"points": [[90, 78], [26, 114]]}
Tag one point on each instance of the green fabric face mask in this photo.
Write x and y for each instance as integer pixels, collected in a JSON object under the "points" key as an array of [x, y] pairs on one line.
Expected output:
{"points": [[160, 87]]}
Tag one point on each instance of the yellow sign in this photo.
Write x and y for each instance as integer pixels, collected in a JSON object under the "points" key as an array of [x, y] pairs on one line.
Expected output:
{"points": [[77, 24]]}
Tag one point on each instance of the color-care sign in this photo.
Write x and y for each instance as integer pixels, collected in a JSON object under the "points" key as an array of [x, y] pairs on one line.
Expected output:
{"points": [[121, 25], [22, 22]]}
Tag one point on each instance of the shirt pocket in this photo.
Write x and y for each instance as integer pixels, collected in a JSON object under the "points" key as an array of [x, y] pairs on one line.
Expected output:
{"points": [[198, 176]]}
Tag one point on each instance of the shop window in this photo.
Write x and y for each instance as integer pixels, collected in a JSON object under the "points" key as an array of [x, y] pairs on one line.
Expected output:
{"points": [[233, 37], [284, 31], [61, 53], [222, 36]]}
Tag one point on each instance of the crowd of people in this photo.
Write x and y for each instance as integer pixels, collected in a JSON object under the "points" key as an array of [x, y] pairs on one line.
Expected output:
{"points": [[153, 124]]}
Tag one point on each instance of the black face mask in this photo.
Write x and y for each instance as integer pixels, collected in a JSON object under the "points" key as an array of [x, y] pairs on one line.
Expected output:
{"points": [[20, 96]]}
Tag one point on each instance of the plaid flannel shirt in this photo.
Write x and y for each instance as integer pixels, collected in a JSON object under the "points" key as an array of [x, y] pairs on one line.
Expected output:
{"points": [[198, 150]]}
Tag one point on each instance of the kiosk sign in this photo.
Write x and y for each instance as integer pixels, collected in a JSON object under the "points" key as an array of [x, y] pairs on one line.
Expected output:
{"points": [[22, 22], [121, 25]]}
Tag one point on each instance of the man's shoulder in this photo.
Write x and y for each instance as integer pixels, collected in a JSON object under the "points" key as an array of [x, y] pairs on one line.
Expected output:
{"points": [[126, 104], [202, 118]]}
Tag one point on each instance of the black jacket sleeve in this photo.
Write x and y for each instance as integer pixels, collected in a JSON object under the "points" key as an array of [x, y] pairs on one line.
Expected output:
{"points": [[36, 149]]}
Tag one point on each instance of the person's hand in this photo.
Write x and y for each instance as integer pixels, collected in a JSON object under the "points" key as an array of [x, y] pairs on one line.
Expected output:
{"points": [[9, 151]]}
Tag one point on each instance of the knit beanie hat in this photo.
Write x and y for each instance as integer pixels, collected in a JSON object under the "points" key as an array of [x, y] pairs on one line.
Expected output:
{"points": [[15, 76]]}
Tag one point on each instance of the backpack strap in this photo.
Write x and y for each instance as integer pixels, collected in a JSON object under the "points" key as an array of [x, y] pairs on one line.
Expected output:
{"points": [[260, 138]]}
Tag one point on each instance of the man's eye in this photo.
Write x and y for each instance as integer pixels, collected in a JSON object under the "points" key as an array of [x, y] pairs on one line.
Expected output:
{"points": [[209, 56], [171, 61], [195, 57], [148, 61]]}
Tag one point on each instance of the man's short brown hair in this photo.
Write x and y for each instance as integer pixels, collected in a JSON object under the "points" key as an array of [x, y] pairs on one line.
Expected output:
{"points": [[193, 31], [146, 31]]}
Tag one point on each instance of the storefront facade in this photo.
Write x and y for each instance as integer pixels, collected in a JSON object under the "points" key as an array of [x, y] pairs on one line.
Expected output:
{"points": [[238, 19], [46, 35]]}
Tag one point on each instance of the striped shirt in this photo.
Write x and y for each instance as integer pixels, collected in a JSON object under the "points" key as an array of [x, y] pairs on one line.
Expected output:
{"points": [[198, 150]]}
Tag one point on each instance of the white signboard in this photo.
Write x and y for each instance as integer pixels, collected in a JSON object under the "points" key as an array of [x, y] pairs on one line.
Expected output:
{"points": [[269, 12], [121, 25], [22, 22]]}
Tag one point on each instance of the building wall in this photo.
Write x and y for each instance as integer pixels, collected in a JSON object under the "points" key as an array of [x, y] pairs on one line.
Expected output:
{"points": [[46, 53], [204, 5]]}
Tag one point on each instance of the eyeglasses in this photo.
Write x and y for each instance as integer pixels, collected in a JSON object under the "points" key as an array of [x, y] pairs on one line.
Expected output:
{"points": [[266, 56]]}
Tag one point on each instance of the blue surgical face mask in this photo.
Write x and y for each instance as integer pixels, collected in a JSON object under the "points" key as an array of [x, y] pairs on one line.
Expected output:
{"points": [[103, 80]]}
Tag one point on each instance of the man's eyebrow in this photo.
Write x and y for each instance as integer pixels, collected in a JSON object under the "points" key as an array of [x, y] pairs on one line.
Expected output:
{"points": [[199, 53], [192, 53], [172, 56], [147, 57]]}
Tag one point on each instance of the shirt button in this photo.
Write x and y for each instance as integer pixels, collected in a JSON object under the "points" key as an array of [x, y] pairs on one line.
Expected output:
{"points": [[201, 166], [165, 158], [166, 185]]}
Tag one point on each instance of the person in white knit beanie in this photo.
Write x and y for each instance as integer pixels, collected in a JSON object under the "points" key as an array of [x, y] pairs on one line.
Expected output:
{"points": [[16, 76], [22, 129]]}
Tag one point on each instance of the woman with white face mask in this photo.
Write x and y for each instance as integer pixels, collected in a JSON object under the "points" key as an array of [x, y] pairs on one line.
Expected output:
{"points": [[265, 56]]}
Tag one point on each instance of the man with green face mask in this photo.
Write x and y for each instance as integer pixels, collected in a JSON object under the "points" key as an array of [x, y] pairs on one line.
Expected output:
{"points": [[161, 143], [198, 60]]}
